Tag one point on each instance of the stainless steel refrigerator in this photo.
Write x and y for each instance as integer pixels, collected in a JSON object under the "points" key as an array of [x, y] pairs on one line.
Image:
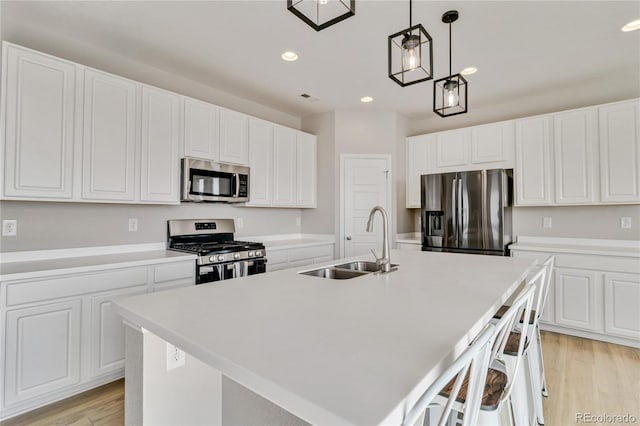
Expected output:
{"points": [[467, 212]]}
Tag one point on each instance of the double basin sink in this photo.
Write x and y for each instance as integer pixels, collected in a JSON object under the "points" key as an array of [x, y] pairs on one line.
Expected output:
{"points": [[348, 270]]}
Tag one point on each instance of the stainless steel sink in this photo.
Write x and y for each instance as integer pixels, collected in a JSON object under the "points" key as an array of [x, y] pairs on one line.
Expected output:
{"points": [[362, 266], [334, 273]]}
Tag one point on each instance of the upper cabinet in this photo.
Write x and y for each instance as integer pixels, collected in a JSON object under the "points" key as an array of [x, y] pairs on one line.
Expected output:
{"points": [[201, 130], [283, 165], [533, 161], [109, 137], [417, 164], [38, 94], [234, 137], [620, 152], [493, 144], [452, 148]]}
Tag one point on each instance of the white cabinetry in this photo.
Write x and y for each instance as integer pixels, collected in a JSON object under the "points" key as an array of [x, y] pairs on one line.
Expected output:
{"points": [[234, 137], [42, 350], [620, 152], [533, 161], [493, 144], [160, 169], [38, 99], [591, 295], [621, 303], [297, 257], [201, 130], [452, 148], [418, 163], [61, 336], [284, 167], [260, 162], [575, 136], [576, 304], [109, 137], [306, 170]]}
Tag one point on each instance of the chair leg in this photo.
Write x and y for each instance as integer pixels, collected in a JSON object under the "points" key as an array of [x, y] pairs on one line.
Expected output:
{"points": [[544, 391], [534, 375]]}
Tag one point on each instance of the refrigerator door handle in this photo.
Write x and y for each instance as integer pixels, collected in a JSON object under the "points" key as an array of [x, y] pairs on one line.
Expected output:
{"points": [[485, 224], [454, 206], [460, 210]]}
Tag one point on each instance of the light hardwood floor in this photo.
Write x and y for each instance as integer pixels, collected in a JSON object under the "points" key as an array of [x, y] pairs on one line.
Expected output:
{"points": [[583, 376]]}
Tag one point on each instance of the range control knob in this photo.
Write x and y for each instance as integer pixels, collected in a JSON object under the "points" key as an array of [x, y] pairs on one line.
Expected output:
{"points": [[220, 258], [211, 258], [236, 255], [250, 254], [258, 253]]}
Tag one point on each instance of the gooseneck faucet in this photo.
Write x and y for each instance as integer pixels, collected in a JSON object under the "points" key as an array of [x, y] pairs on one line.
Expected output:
{"points": [[385, 261]]}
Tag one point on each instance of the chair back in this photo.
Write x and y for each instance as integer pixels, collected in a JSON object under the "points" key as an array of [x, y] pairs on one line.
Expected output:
{"points": [[475, 361], [510, 322], [543, 287]]}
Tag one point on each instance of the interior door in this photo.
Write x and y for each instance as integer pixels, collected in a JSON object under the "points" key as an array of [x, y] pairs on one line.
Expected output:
{"points": [[366, 184]]}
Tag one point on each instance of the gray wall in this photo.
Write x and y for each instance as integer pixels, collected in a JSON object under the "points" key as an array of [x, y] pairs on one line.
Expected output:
{"points": [[66, 225]]}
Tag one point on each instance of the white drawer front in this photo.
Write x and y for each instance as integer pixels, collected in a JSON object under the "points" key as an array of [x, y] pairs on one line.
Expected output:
{"points": [[277, 256], [174, 271], [310, 252]]}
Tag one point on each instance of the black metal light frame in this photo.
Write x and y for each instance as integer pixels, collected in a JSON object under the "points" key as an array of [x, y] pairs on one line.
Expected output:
{"points": [[442, 86], [350, 11], [424, 40]]}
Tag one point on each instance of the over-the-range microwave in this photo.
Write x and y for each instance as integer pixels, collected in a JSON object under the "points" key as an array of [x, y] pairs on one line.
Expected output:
{"points": [[209, 181]]}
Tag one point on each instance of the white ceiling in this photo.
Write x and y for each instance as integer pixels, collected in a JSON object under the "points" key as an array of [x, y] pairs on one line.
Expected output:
{"points": [[567, 50]]}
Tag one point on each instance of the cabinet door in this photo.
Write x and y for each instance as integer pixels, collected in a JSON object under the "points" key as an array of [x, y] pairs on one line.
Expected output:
{"points": [[109, 138], [533, 161], [284, 167], [260, 163], [493, 143], [577, 298], [42, 350], [620, 152], [452, 148], [38, 92], [622, 304], [160, 165], [234, 137], [417, 165], [107, 333], [306, 170], [575, 133], [201, 130]]}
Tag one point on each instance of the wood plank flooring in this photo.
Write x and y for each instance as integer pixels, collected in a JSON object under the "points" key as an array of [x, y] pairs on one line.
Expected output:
{"points": [[583, 376]]}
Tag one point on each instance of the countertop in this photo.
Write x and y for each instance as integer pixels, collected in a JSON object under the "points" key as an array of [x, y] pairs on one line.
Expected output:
{"points": [[409, 238], [623, 248], [81, 264], [336, 351]]}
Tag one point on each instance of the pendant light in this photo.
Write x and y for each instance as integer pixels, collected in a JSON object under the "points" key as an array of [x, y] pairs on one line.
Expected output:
{"points": [[450, 93], [320, 14], [410, 54]]}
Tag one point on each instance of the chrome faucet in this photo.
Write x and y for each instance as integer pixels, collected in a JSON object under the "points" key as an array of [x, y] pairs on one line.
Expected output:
{"points": [[385, 261]]}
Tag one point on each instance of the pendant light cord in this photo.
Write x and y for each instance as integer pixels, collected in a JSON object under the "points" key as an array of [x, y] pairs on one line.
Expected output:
{"points": [[410, 3], [450, 48]]}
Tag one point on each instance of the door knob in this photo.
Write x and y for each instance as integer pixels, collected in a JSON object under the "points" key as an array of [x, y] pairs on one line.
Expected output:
{"points": [[349, 238]]}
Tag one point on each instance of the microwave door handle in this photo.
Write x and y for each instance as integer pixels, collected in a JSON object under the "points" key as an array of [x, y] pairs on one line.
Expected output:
{"points": [[236, 182]]}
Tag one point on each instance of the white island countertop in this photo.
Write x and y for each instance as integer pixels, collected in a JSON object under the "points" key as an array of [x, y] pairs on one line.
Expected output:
{"points": [[354, 351]]}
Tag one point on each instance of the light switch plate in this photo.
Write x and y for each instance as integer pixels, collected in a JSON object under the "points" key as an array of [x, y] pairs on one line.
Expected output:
{"points": [[547, 222], [175, 357], [298, 222], [240, 222], [133, 225], [625, 222]]}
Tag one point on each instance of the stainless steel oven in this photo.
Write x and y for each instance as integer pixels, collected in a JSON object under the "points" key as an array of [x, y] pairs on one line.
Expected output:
{"points": [[209, 181]]}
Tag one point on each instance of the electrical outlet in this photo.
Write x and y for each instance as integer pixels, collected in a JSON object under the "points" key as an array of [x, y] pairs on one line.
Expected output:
{"points": [[240, 222], [298, 222], [625, 222], [9, 228], [133, 225], [175, 357], [547, 222]]}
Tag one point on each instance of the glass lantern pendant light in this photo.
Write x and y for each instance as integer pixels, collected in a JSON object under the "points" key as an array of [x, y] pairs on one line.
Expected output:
{"points": [[410, 54], [320, 14], [450, 93]]}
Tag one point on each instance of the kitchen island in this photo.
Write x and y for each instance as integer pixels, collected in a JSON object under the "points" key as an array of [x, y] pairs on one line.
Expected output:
{"points": [[283, 347]]}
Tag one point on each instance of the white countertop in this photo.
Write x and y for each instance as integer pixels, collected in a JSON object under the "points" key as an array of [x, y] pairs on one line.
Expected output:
{"points": [[624, 248], [336, 351], [81, 264], [409, 238]]}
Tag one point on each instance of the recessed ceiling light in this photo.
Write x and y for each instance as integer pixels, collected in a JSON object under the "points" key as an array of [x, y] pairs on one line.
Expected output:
{"points": [[289, 56], [366, 99], [631, 26], [469, 71]]}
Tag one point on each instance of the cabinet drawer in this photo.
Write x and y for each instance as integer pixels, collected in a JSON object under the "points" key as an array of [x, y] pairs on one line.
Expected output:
{"points": [[173, 271], [598, 263], [20, 292], [277, 256], [310, 252]]}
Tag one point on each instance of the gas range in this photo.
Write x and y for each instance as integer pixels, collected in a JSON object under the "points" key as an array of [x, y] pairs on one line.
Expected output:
{"points": [[219, 255]]}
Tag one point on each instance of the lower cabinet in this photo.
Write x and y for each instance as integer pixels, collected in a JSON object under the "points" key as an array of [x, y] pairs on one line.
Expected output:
{"points": [[593, 296], [60, 336], [42, 350]]}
